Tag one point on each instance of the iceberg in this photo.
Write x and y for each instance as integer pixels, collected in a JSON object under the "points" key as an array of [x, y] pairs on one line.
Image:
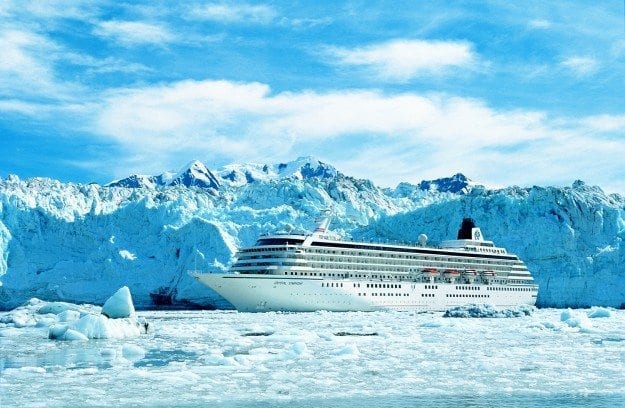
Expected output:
{"points": [[119, 305], [66, 321]]}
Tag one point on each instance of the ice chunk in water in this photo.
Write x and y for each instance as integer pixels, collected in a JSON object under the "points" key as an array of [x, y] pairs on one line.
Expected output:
{"points": [[72, 335], [596, 312], [119, 305]]}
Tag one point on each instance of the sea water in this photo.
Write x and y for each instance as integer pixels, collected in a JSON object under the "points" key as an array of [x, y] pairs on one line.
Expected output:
{"points": [[555, 358]]}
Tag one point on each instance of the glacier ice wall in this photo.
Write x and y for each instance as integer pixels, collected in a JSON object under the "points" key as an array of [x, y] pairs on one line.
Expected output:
{"points": [[570, 238], [78, 243]]}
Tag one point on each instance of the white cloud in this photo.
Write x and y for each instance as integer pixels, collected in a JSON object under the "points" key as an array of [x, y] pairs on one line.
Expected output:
{"points": [[386, 137], [233, 13], [50, 9], [605, 123], [306, 22], [131, 33], [404, 59], [105, 65], [540, 24], [192, 108], [21, 107], [581, 66], [23, 70]]}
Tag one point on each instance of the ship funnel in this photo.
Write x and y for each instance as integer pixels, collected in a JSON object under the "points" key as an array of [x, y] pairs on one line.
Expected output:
{"points": [[465, 229], [468, 230], [476, 234]]}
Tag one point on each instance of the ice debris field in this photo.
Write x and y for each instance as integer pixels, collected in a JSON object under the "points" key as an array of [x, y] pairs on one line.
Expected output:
{"points": [[59, 354]]}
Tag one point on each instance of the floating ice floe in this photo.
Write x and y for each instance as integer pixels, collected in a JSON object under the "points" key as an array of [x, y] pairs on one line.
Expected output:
{"points": [[576, 320], [116, 320], [596, 312], [67, 321], [488, 311], [119, 305]]}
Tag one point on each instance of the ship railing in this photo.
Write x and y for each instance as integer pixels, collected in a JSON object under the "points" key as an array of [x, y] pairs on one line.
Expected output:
{"points": [[196, 271]]}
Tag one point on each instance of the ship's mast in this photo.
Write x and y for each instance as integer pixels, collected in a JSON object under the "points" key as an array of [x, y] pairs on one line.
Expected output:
{"points": [[323, 224]]}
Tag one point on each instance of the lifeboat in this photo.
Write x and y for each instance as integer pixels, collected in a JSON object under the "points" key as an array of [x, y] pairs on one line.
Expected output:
{"points": [[451, 273], [430, 272]]}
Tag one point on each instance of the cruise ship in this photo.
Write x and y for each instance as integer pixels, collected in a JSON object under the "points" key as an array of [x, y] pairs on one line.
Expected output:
{"points": [[309, 272]]}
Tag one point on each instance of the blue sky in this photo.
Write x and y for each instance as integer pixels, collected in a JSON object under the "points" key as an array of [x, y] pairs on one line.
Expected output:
{"points": [[525, 93]]}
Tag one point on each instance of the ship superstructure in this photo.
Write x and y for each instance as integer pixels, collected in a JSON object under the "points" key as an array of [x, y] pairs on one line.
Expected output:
{"points": [[299, 272]]}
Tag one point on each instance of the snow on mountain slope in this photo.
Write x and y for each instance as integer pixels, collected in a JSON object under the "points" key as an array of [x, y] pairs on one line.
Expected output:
{"points": [[456, 184], [79, 243], [234, 175], [195, 174]]}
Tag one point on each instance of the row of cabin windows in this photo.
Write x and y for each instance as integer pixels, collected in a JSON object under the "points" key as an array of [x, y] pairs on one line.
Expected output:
{"points": [[393, 255], [427, 295], [383, 285], [331, 285], [388, 268], [489, 250], [342, 275], [431, 286], [278, 255], [317, 274], [449, 261], [465, 295], [385, 294], [511, 289], [467, 288]]}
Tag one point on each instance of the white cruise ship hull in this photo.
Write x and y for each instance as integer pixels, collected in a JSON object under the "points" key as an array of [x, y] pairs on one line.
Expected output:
{"points": [[262, 292]]}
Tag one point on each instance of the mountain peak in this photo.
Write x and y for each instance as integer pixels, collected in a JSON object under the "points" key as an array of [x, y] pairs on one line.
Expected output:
{"points": [[457, 184], [195, 174], [307, 167], [135, 181]]}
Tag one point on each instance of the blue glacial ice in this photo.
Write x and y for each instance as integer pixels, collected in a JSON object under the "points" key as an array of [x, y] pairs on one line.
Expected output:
{"points": [[80, 243]]}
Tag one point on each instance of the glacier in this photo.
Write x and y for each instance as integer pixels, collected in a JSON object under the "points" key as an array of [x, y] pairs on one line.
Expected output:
{"points": [[80, 242]]}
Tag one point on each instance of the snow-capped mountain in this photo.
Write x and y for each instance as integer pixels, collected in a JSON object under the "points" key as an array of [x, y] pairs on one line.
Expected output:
{"points": [[458, 183], [65, 241], [198, 175], [194, 174]]}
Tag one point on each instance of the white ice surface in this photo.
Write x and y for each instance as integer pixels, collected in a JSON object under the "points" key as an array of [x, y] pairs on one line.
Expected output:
{"points": [[229, 358]]}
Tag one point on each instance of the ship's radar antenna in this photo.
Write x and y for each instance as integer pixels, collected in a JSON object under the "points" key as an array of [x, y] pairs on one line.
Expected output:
{"points": [[423, 240]]}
